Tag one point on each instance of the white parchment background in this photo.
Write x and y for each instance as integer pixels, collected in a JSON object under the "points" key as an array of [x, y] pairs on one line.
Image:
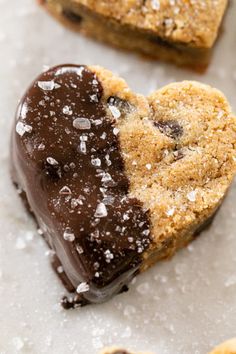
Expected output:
{"points": [[184, 306]]}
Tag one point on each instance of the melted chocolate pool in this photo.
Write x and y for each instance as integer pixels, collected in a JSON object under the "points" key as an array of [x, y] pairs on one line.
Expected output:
{"points": [[66, 158]]}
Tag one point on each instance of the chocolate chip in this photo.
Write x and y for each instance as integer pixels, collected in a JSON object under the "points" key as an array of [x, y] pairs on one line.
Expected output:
{"points": [[123, 105], [170, 128], [72, 16]]}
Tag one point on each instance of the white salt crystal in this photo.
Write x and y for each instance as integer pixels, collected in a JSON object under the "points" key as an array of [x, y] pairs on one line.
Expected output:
{"points": [[22, 128], [68, 235], [79, 249], [192, 196], [115, 112], [82, 288], [101, 211], [65, 190], [82, 123], [96, 162], [148, 166], [155, 4], [94, 98], [67, 110], [60, 270], [116, 131], [24, 111], [83, 147], [46, 85], [170, 212], [109, 256], [52, 161]]}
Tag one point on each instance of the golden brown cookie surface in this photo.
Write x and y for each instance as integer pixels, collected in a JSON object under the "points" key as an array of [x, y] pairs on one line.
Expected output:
{"points": [[228, 347], [179, 31]]}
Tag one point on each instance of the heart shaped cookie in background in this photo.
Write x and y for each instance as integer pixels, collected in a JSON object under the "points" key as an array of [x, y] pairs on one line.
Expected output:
{"points": [[182, 32], [115, 180], [228, 347]]}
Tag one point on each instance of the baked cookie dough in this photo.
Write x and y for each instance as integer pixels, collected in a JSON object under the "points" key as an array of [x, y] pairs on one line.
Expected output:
{"points": [[228, 347], [118, 181], [116, 350], [179, 31]]}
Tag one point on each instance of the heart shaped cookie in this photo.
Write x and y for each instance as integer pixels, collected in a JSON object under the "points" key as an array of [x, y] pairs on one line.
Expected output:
{"points": [[115, 180]]}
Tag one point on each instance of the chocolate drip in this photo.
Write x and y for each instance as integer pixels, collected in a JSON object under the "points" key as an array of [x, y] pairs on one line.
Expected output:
{"points": [[67, 159]]}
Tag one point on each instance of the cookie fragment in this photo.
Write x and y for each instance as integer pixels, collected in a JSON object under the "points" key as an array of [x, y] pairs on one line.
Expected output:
{"points": [[181, 32], [228, 347]]}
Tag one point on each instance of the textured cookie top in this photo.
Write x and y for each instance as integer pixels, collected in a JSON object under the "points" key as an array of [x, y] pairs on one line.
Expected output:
{"points": [[194, 23], [179, 148], [228, 347], [116, 350]]}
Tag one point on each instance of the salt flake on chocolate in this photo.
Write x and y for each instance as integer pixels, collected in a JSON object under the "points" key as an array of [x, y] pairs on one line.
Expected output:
{"points": [[22, 128], [65, 190], [101, 211], [46, 85], [82, 288], [115, 112], [68, 235], [82, 123], [52, 161]]}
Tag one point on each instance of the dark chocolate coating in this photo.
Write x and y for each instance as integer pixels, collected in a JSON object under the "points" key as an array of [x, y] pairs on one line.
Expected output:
{"points": [[66, 157]]}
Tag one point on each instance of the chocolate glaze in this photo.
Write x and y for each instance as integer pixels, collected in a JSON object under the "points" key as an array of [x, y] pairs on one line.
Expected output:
{"points": [[66, 158]]}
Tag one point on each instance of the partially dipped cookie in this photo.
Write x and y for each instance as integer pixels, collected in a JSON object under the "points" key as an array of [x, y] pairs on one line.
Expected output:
{"points": [[115, 180]]}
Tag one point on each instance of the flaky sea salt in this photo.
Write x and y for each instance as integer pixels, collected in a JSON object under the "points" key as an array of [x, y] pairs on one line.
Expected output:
{"points": [[116, 131], [109, 256], [170, 212], [79, 249], [67, 110], [94, 98], [192, 196], [46, 85], [83, 147], [101, 211], [96, 162], [115, 112], [68, 235], [22, 128], [82, 123], [65, 190], [155, 4], [24, 111], [60, 270], [52, 161], [82, 288]]}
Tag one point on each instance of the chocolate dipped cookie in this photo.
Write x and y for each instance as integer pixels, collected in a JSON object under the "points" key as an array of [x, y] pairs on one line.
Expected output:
{"points": [[117, 181]]}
